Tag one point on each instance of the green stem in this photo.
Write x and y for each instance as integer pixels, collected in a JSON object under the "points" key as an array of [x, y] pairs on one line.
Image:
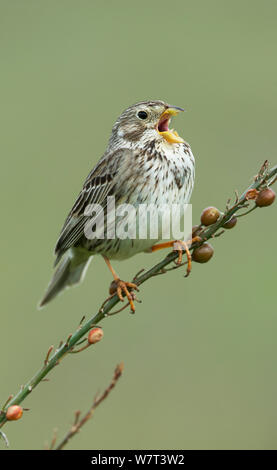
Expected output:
{"points": [[265, 178]]}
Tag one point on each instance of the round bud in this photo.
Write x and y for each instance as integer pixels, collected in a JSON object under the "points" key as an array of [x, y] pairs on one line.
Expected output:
{"points": [[265, 197], [231, 222], [203, 253], [195, 230], [95, 335], [209, 215], [113, 288], [14, 412]]}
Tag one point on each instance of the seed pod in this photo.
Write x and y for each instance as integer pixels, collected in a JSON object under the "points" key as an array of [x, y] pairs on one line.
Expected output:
{"points": [[95, 335], [209, 215], [265, 197], [113, 288], [231, 222], [203, 253], [195, 230], [14, 412]]}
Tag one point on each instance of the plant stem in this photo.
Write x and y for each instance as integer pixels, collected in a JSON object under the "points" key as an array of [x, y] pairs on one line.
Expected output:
{"points": [[264, 178]]}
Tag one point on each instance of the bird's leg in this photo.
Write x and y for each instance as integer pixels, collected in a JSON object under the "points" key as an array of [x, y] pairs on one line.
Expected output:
{"points": [[180, 246], [119, 287]]}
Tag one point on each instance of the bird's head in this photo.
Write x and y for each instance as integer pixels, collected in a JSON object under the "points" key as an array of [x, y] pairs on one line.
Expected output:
{"points": [[147, 121]]}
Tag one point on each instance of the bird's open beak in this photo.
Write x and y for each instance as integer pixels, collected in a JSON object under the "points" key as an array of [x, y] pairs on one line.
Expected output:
{"points": [[170, 135]]}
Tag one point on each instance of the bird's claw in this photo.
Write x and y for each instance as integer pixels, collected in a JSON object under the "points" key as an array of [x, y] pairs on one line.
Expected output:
{"points": [[180, 246], [120, 288]]}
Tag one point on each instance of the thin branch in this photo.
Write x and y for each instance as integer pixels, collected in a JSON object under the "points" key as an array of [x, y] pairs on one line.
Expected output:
{"points": [[48, 354], [264, 179], [79, 422]]}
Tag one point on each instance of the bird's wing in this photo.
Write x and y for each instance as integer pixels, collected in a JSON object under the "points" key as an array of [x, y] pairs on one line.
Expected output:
{"points": [[98, 185]]}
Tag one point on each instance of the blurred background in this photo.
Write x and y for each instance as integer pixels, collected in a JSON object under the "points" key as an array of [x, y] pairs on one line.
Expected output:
{"points": [[200, 353]]}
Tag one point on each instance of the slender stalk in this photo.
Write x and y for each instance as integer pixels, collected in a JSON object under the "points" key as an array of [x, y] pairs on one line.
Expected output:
{"points": [[264, 178], [79, 422]]}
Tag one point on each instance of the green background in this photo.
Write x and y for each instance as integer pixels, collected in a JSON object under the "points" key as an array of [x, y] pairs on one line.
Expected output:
{"points": [[200, 353]]}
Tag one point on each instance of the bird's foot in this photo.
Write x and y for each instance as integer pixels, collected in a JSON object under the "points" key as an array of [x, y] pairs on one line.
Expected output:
{"points": [[122, 288], [180, 246]]}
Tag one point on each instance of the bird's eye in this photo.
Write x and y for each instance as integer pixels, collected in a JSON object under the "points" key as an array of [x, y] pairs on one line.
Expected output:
{"points": [[142, 114]]}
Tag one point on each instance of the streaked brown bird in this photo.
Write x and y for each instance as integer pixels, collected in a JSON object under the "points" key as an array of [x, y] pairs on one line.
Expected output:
{"points": [[145, 162]]}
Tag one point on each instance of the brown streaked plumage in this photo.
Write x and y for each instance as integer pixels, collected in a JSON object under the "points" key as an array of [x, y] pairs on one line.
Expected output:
{"points": [[144, 163]]}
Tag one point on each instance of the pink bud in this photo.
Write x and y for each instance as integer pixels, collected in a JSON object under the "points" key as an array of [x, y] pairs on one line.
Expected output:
{"points": [[14, 412], [95, 335]]}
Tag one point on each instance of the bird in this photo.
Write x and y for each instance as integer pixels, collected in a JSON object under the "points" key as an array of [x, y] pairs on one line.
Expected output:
{"points": [[145, 162]]}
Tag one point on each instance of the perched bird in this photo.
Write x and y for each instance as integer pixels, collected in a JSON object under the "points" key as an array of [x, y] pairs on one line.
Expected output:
{"points": [[145, 163]]}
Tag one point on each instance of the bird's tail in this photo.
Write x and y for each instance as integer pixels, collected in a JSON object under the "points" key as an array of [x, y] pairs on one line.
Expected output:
{"points": [[71, 270]]}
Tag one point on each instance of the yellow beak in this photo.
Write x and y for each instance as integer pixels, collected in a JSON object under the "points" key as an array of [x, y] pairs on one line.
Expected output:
{"points": [[169, 135]]}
